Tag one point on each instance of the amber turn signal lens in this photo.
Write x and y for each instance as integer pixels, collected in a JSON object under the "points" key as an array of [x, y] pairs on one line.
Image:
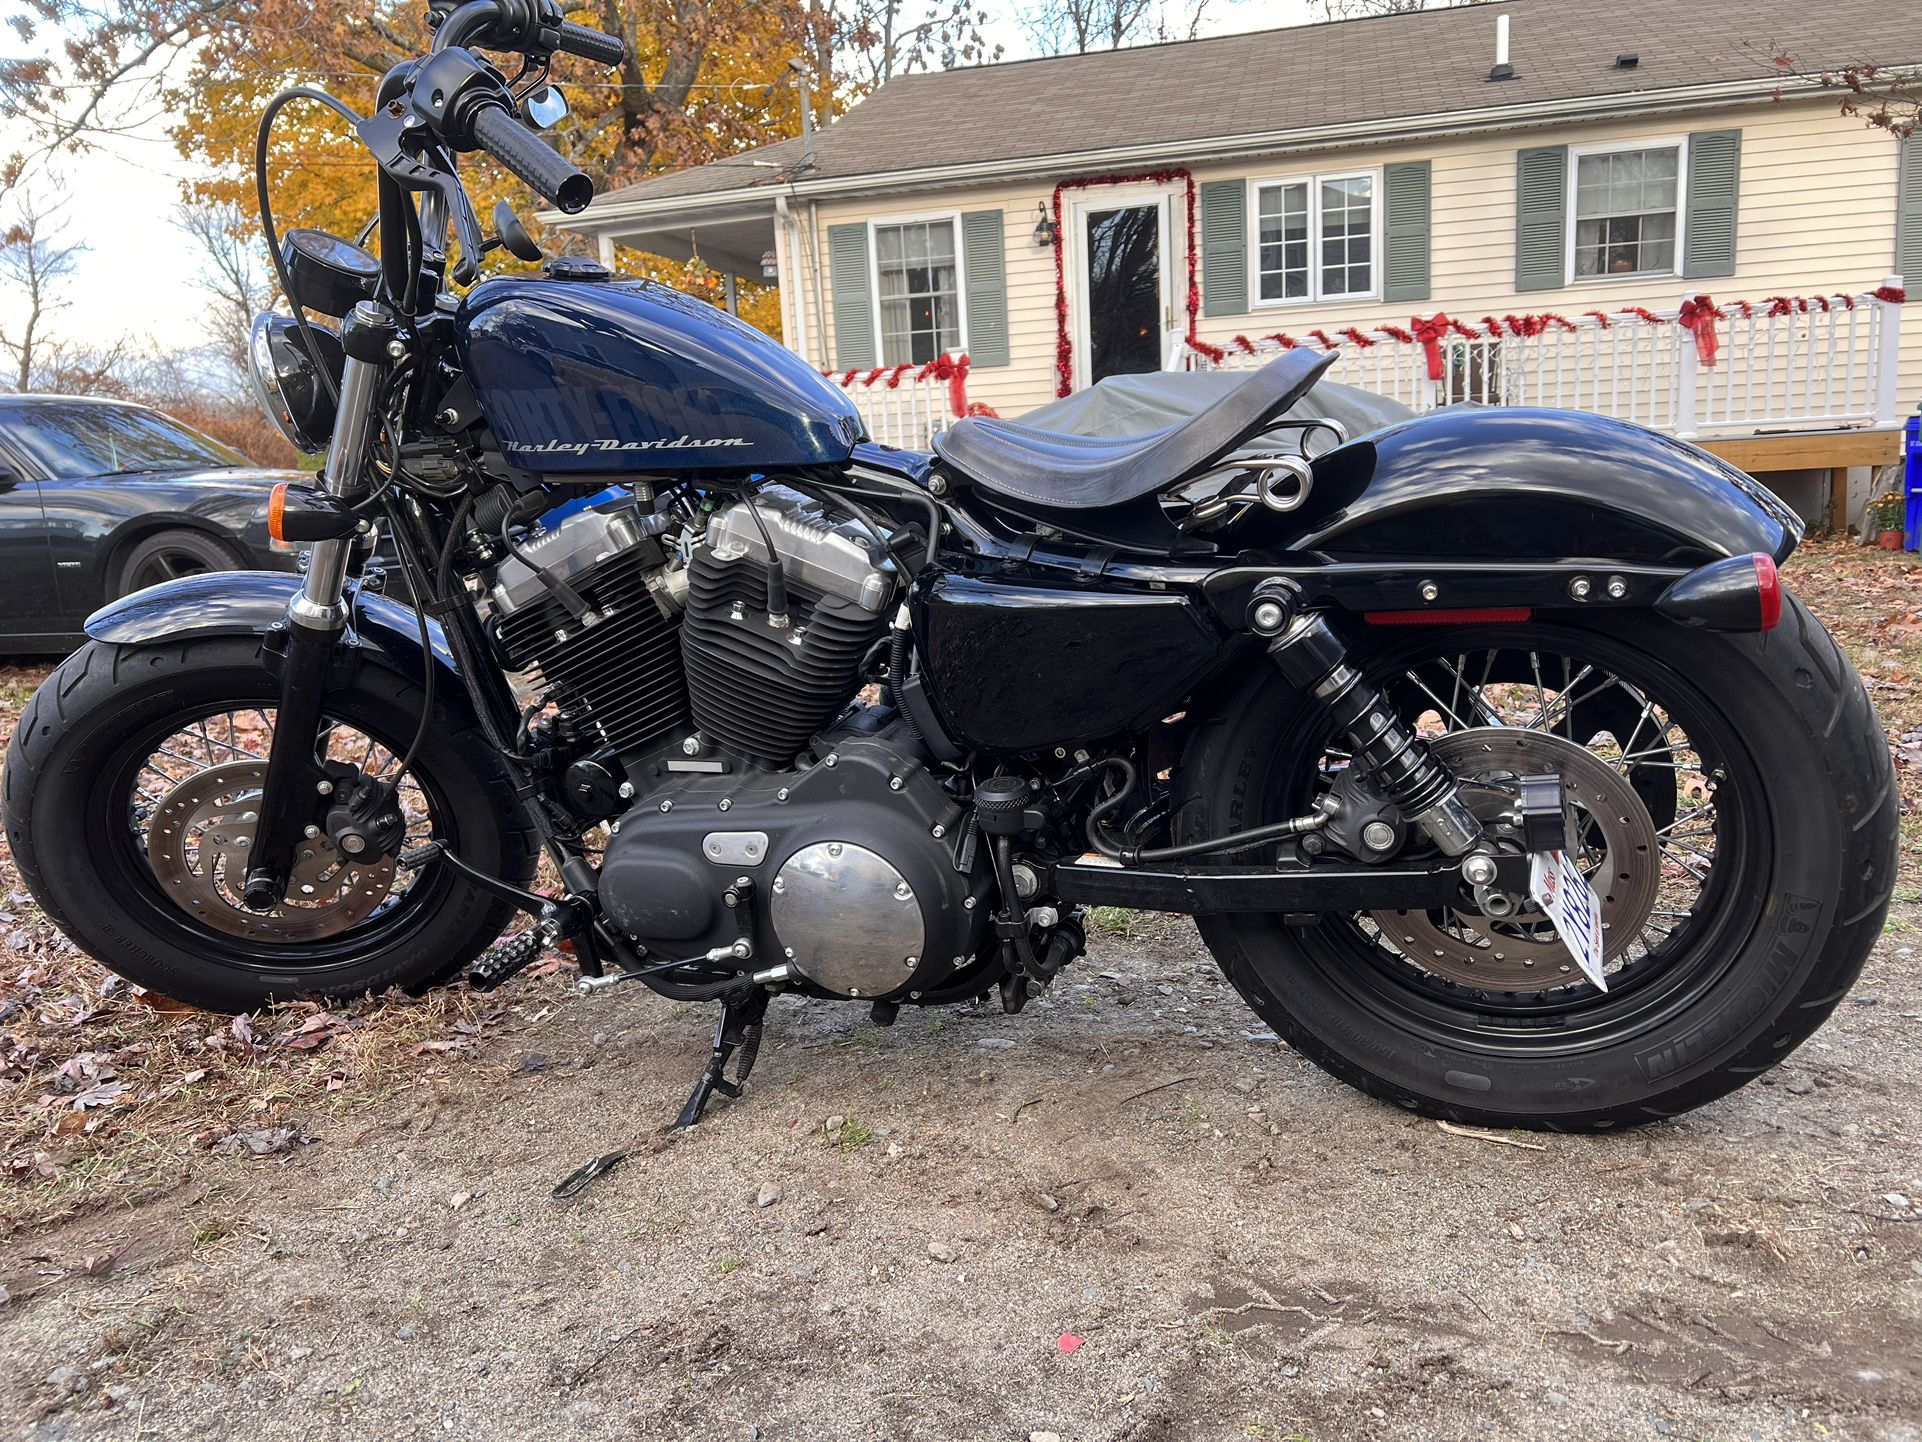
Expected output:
{"points": [[277, 513]]}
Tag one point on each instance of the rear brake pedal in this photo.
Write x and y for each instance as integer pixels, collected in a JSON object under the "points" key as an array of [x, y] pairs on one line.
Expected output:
{"points": [[513, 955]]}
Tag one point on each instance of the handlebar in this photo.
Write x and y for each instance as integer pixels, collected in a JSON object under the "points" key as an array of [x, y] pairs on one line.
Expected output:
{"points": [[591, 44], [531, 27], [499, 132]]}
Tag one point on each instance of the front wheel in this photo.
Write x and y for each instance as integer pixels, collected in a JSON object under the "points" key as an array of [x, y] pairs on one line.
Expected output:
{"points": [[131, 790], [1735, 810]]}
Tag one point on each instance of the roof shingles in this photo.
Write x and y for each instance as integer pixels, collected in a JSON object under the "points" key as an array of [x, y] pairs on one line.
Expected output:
{"points": [[1426, 63]]}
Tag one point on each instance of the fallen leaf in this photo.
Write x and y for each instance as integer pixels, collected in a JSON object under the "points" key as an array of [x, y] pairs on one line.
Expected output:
{"points": [[106, 1094], [262, 1141]]}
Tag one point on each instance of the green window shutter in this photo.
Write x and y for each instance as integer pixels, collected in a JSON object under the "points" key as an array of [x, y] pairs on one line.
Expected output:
{"points": [[985, 275], [1908, 214], [1407, 211], [1714, 186], [851, 281], [1224, 247], [1541, 218]]}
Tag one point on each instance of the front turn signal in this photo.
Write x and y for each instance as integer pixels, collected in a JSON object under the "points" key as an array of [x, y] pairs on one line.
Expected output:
{"points": [[300, 515]]}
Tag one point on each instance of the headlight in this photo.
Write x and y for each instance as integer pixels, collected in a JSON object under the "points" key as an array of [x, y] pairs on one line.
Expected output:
{"points": [[288, 385]]}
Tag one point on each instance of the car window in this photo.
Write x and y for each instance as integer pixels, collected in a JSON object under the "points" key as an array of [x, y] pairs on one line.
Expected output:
{"points": [[71, 440]]}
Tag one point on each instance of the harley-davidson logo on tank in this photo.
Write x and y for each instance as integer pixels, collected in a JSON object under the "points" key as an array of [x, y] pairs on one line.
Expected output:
{"points": [[594, 376]]}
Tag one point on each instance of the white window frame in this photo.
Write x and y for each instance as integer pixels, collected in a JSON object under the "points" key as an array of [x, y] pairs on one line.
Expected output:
{"points": [[1676, 143], [1314, 183], [919, 217]]}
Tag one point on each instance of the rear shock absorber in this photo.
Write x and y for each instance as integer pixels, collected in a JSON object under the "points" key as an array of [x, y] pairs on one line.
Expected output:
{"points": [[1311, 657]]}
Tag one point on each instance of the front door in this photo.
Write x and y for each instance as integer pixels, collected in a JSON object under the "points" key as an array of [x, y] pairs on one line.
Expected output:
{"points": [[1122, 264]]}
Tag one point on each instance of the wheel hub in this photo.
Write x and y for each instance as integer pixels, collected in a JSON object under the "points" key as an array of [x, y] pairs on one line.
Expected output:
{"points": [[1611, 835], [199, 843]]}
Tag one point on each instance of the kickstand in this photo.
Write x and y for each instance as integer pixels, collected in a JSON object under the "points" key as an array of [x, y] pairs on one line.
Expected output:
{"points": [[740, 1026]]}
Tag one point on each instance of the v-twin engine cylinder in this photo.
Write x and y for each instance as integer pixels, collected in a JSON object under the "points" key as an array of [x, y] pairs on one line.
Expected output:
{"points": [[760, 683]]}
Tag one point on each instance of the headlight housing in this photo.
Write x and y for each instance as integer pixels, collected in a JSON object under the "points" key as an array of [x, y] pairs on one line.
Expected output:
{"points": [[287, 383]]}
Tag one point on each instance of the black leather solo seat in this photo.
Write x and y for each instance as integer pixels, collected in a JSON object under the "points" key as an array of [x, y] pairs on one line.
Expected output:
{"points": [[1036, 472]]}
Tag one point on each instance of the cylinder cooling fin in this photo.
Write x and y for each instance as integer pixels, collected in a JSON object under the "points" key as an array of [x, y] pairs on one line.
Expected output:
{"points": [[757, 687]]}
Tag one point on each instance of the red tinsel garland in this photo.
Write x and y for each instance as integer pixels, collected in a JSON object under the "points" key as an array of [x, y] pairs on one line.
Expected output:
{"points": [[1063, 343], [952, 369]]}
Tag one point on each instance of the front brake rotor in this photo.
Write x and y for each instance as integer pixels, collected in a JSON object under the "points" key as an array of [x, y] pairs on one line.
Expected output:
{"points": [[198, 844], [1613, 838]]}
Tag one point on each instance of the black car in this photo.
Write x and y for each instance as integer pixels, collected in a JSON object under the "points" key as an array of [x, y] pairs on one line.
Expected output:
{"points": [[101, 497]]}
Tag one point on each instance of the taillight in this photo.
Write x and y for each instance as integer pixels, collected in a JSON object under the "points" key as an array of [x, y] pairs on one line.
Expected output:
{"points": [[1768, 587]]}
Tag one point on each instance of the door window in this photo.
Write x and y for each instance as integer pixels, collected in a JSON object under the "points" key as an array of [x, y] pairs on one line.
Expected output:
{"points": [[1124, 291]]}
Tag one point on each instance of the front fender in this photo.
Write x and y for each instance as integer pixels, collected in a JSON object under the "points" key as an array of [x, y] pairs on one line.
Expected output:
{"points": [[248, 603], [1536, 485]]}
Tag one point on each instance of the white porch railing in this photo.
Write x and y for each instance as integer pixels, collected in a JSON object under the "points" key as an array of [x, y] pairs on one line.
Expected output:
{"points": [[909, 405], [1808, 363]]}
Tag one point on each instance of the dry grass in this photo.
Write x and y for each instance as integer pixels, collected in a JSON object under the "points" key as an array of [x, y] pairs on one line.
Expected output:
{"points": [[108, 1094]]}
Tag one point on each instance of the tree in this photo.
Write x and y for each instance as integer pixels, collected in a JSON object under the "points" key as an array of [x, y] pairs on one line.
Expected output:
{"points": [[233, 273], [35, 263], [1357, 9], [862, 44]]}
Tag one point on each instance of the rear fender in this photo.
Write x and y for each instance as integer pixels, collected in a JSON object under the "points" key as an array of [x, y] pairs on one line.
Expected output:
{"points": [[250, 603], [1522, 485]]}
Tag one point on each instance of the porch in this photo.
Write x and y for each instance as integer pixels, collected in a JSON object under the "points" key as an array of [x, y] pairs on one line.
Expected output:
{"points": [[1775, 386]]}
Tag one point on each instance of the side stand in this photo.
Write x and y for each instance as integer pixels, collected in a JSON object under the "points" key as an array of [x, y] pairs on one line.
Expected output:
{"points": [[739, 1027]]}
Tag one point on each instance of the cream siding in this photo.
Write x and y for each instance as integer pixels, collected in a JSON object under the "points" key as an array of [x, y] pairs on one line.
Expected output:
{"points": [[1817, 215]]}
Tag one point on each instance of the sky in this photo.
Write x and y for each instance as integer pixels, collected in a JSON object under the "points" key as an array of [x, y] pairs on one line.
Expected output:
{"points": [[135, 279]]}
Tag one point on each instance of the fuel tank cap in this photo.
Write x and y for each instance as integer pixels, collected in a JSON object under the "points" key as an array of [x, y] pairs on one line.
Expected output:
{"points": [[575, 267]]}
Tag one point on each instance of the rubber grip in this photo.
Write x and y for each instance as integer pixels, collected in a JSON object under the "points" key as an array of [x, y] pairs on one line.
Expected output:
{"points": [[591, 44], [500, 133]]}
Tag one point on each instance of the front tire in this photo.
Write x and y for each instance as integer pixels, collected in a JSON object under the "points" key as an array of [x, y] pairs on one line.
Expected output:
{"points": [[83, 843], [1795, 869]]}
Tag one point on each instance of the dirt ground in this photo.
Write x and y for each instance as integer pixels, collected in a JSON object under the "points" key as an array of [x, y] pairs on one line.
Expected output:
{"points": [[1129, 1213]]}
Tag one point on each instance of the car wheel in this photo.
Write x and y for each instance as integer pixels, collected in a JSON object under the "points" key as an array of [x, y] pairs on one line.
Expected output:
{"points": [[167, 555]]}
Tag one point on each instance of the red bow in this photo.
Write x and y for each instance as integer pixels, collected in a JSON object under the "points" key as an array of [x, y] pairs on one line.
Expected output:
{"points": [[1430, 330], [1699, 314]]}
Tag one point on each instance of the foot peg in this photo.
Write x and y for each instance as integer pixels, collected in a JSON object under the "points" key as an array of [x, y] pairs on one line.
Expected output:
{"points": [[513, 955]]}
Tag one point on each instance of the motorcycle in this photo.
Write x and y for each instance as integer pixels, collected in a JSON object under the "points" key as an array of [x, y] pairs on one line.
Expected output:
{"points": [[1501, 775]]}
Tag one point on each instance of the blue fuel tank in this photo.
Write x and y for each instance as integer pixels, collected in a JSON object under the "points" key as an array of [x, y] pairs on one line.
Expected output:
{"points": [[598, 377]]}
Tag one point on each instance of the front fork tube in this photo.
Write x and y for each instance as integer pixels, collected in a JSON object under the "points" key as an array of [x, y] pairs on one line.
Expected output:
{"points": [[1312, 658], [294, 795]]}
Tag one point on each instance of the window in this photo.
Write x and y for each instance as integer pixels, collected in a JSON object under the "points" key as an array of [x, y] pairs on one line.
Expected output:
{"points": [[917, 280], [1315, 238], [1627, 211], [76, 439]]}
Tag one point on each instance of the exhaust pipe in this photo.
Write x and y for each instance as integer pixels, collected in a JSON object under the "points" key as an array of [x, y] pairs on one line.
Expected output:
{"points": [[1741, 593]]}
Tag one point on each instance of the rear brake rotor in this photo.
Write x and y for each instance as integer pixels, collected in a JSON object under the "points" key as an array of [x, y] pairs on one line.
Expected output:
{"points": [[1612, 836], [199, 842]]}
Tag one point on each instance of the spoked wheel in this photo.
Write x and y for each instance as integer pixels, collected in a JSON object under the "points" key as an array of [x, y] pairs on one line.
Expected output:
{"points": [[1733, 807], [193, 807], [132, 791]]}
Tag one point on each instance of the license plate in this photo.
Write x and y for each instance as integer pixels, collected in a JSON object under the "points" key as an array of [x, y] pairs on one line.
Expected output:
{"points": [[1563, 893]]}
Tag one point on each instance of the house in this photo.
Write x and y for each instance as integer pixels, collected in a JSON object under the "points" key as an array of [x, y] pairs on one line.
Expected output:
{"points": [[1627, 206]]}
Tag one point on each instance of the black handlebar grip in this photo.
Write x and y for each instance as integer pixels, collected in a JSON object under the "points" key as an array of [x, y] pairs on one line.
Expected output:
{"points": [[500, 133], [591, 44]]}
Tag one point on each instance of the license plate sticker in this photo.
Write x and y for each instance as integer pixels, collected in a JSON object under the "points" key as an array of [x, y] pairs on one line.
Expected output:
{"points": [[1563, 893]]}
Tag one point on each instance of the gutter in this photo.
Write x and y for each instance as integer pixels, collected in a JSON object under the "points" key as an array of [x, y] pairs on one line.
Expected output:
{"points": [[1273, 142]]}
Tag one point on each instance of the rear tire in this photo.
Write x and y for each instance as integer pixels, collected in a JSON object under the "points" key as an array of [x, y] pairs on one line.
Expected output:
{"points": [[68, 826], [1801, 760]]}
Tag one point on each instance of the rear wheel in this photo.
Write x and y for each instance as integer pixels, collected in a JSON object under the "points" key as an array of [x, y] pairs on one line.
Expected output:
{"points": [[132, 785], [1736, 813]]}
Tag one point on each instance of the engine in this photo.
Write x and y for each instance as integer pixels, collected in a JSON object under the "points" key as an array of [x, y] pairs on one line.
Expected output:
{"points": [[767, 805], [853, 871]]}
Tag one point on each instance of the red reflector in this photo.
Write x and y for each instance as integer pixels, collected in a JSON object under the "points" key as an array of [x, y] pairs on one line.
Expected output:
{"points": [[1768, 590], [1462, 616], [277, 511]]}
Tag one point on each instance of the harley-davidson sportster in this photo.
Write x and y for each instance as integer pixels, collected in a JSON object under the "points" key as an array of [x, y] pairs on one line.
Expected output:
{"points": [[1502, 775]]}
